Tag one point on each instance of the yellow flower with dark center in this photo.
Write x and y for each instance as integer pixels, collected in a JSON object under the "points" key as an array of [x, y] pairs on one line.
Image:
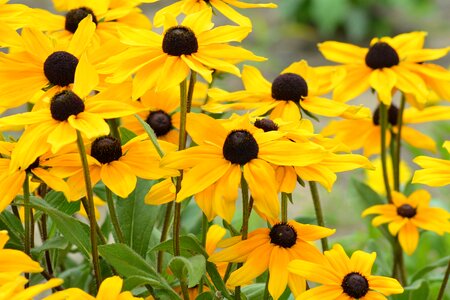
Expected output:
{"points": [[407, 214], [387, 64], [366, 133], [273, 249], [344, 278], [163, 61], [435, 171], [224, 6], [111, 289], [41, 65], [119, 166], [298, 87], [228, 150], [109, 16], [56, 122], [15, 289], [13, 262]]}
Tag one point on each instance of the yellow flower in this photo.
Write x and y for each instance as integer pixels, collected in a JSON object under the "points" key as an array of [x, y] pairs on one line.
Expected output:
{"points": [[227, 150], [15, 289], [111, 289], [13, 262], [163, 61], [375, 177], [224, 6], [273, 249], [435, 172], [12, 17], [388, 63], [57, 122], [298, 87], [41, 65], [407, 214], [366, 133], [344, 278], [119, 166]]}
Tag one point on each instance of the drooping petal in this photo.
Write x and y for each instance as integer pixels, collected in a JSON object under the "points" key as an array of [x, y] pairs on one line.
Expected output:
{"points": [[408, 236], [119, 178], [342, 52], [89, 124], [279, 259], [385, 285], [161, 193], [383, 81]]}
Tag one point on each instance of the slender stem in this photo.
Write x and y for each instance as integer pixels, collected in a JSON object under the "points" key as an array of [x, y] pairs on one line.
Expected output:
{"points": [[164, 233], [113, 216], [444, 283], [383, 127], [190, 94], [114, 127], [48, 276], [318, 210], [44, 237], [399, 270], [266, 288], [27, 221], [90, 209], [398, 144], [227, 272], [284, 206], [205, 227], [99, 231]]}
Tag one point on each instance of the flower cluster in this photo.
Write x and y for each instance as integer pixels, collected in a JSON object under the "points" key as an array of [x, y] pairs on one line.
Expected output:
{"points": [[120, 111]]}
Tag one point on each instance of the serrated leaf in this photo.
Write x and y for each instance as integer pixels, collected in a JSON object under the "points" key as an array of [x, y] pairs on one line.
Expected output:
{"points": [[191, 268]]}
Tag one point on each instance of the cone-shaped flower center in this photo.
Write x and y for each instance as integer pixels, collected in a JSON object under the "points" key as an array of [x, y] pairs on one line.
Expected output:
{"points": [[35, 164], [65, 104], [392, 115], [283, 235], [160, 122], [289, 87], [381, 55], [240, 147], [59, 68], [355, 285], [106, 149], [179, 40], [406, 211], [266, 125], [75, 16]]}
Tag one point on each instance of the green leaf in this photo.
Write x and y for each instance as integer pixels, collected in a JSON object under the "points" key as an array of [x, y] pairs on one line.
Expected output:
{"points": [[188, 243], [73, 230], [437, 264], [126, 135], [9, 222], [217, 279], [254, 291], [136, 218], [128, 263], [205, 296], [366, 194], [57, 242], [191, 268], [151, 134], [58, 201]]}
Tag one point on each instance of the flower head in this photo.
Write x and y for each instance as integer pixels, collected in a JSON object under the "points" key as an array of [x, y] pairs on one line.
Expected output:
{"points": [[344, 278]]}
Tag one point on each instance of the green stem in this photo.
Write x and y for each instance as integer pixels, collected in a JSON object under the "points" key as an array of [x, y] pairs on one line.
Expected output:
{"points": [[444, 283], [266, 288], [85, 204], [398, 144], [91, 209], [205, 227], [383, 127], [44, 237], [27, 221], [399, 270], [284, 206], [318, 210], [114, 127], [113, 216], [164, 233]]}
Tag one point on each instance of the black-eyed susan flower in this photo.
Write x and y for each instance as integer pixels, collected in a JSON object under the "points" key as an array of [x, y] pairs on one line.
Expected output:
{"points": [[119, 166], [16, 290], [387, 63], [407, 214], [224, 6], [298, 87], [273, 249], [13, 262], [111, 289], [435, 171], [366, 133], [228, 150], [56, 122], [163, 61], [41, 64], [344, 278]]}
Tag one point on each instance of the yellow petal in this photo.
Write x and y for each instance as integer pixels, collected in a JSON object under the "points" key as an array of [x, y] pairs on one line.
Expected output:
{"points": [[408, 236], [342, 52], [86, 78], [110, 288], [385, 285], [89, 124], [279, 259], [119, 178], [383, 81]]}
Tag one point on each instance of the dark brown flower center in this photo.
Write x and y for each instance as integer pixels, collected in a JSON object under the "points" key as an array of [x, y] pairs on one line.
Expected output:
{"points": [[266, 125], [65, 104], [289, 87], [381, 55], [179, 40], [392, 115], [283, 235], [106, 149], [355, 285], [59, 68], [240, 147], [160, 122], [75, 16], [406, 211]]}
